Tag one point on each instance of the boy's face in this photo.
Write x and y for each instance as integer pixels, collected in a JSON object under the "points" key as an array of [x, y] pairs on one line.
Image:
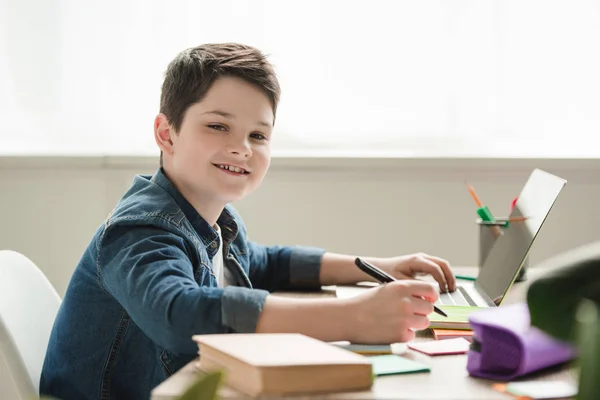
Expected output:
{"points": [[222, 151]]}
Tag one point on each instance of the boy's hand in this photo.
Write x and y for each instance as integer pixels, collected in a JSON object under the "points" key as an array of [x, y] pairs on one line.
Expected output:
{"points": [[391, 312], [408, 267]]}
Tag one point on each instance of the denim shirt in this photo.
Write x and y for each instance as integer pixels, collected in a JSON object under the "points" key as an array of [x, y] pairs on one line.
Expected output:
{"points": [[144, 286]]}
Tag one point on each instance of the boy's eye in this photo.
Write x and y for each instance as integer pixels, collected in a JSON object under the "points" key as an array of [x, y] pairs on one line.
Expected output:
{"points": [[217, 127], [258, 136]]}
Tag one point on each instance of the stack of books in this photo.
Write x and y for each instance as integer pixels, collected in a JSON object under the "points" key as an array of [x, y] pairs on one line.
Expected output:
{"points": [[456, 325], [441, 334]]}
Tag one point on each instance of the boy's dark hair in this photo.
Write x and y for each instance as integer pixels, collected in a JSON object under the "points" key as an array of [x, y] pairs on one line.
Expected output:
{"points": [[193, 71]]}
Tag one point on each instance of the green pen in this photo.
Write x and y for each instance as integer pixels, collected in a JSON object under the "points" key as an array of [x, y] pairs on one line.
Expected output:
{"points": [[484, 212], [465, 277]]}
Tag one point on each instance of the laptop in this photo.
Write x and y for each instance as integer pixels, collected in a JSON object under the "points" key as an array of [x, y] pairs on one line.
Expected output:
{"points": [[510, 250]]}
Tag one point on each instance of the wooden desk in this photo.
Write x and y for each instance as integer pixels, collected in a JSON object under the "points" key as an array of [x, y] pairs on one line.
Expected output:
{"points": [[447, 380]]}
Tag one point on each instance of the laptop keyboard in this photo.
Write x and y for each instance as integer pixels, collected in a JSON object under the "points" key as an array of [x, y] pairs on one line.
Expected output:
{"points": [[459, 297]]}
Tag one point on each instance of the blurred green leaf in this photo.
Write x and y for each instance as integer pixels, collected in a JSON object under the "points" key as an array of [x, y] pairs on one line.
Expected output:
{"points": [[565, 303], [205, 388], [554, 297], [588, 343]]}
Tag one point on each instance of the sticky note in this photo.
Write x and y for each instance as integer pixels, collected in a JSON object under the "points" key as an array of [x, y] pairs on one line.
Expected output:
{"points": [[441, 347], [456, 315], [542, 389], [392, 364], [367, 349]]}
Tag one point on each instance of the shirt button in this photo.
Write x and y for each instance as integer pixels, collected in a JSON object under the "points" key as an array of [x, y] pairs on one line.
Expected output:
{"points": [[214, 245]]}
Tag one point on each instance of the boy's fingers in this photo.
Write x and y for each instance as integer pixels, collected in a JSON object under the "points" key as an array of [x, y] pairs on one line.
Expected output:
{"points": [[418, 322], [421, 306], [427, 266], [447, 271], [422, 289]]}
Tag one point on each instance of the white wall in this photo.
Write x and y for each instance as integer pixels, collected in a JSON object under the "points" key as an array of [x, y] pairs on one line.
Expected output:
{"points": [[50, 207]]}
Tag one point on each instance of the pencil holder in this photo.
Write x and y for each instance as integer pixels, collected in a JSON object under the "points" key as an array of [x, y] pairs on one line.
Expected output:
{"points": [[487, 238]]}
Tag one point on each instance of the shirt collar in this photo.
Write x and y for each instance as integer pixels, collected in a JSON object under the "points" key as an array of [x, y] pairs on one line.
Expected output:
{"points": [[208, 235]]}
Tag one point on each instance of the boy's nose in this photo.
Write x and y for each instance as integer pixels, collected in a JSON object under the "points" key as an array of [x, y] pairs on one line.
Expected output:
{"points": [[241, 147]]}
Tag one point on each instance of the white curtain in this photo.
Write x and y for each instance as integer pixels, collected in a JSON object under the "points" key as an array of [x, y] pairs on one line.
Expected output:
{"points": [[83, 76]]}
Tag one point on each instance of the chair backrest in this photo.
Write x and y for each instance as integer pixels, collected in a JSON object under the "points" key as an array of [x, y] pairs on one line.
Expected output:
{"points": [[28, 306]]}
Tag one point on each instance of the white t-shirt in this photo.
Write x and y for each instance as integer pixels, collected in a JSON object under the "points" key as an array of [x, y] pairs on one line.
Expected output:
{"points": [[223, 274]]}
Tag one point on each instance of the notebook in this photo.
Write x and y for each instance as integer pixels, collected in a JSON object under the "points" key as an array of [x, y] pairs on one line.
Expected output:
{"points": [[283, 363], [443, 334], [441, 348], [458, 317], [392, 364], [366, 349], [538, 390]]}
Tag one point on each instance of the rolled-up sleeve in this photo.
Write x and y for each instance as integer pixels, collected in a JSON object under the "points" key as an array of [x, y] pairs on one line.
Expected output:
{"points": [[278, 267], [148, 271], [241, 307], [305, 266]]}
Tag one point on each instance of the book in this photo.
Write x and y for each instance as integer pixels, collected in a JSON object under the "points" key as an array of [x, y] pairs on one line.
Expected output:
{"points": [[442, 334], [392, 364], [365, 349], [458, 317], [283, 363], [534, 390], [441, 348]]}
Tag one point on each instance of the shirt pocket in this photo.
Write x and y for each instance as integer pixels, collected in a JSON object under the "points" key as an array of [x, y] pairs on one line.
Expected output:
{"points": [[167, 362], [202, 269]]}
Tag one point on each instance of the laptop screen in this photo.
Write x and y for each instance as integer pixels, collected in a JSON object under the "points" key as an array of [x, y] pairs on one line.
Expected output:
{"points": [[504, 260]]}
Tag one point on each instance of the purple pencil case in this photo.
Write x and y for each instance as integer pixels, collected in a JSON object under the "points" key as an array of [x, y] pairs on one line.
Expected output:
{"points": [[505, 346]]}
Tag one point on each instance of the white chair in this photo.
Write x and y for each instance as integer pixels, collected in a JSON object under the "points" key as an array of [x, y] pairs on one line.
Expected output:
{"points": [[28, 307]]}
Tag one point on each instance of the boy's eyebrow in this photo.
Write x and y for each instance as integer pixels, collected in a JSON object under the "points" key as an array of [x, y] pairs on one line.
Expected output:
{"points": [[231, 116]]}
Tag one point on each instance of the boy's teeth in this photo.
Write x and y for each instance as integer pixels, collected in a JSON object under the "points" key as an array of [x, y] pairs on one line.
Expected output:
{"points": [[232, 168]]}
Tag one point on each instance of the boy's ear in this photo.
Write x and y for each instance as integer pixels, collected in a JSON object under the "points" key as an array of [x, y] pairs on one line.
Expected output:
{"points": [[162, 133]]}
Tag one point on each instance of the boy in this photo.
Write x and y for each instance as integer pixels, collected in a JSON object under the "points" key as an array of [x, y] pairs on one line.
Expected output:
{"points": [[173, 260]]}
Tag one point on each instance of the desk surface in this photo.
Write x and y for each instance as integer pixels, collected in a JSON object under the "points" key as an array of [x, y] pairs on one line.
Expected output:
{"points": [[447, 380]]}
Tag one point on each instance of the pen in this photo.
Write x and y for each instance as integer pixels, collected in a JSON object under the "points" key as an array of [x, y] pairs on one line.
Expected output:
{"points": [[506, 221], [383, 277], [502, 221], [474, 195], [515, 219], [465, 277], [484, 212]]}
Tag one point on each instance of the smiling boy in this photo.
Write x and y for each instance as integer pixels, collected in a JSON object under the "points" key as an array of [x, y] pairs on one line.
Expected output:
{"points": [[173, 258]]}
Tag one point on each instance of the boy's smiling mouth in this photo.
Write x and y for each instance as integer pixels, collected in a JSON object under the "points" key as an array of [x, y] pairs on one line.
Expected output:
{"points": [[232, 169]]}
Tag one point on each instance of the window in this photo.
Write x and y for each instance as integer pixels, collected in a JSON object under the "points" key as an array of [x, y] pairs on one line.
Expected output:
{"points": [[412, 76]]}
